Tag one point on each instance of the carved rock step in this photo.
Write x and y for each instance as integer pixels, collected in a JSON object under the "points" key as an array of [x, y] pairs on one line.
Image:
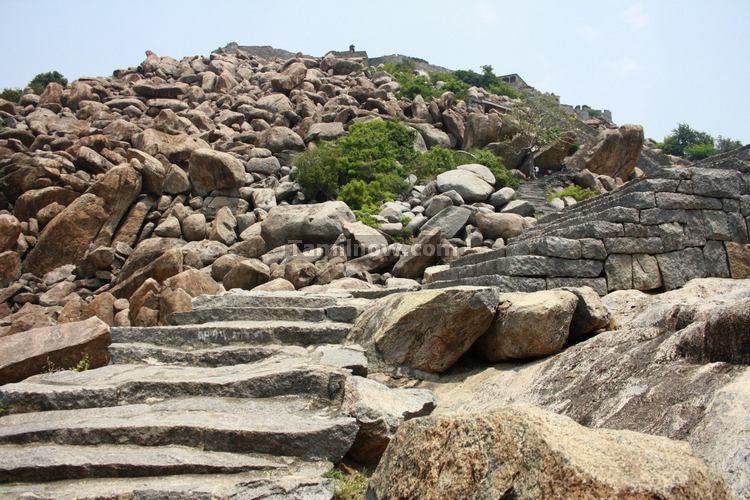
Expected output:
{"points": [[205, 314], [269, 299], [307, 484], [236, 332], [290, 426], [115, 385], [51, 462], [350, 357]]}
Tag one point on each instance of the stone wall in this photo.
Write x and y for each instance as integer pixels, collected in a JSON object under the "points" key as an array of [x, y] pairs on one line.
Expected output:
{"points": [[653, 233]]}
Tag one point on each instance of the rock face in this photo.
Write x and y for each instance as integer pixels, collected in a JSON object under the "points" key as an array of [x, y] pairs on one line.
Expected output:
{"points": [[211, 170], [665, 371], [615, 152], [401, 330], [528, 325], [92, 217], [54, 347], [530, 453], [318, 223], [469, 185]]}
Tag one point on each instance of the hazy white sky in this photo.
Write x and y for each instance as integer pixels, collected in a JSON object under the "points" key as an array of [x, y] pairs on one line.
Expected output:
{"points": [[655, 63]]}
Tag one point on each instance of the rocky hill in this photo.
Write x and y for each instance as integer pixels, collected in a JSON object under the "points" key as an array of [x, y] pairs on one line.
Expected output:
{"points": [[165, 234]]}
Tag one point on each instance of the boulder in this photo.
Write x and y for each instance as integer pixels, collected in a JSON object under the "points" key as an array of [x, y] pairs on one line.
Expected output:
{"points": [[615, 152], [300, 273], [10, 268], [449, 220], [525, 452], [177, 148], [419, 256], [10, 228], [320, 223], [54, 347], [211, 170], [277, 285], [223, 227], [364, 238], [169, 228], [246, 275], [194, 282], [278, 139], [90, 218], [590, 315], [481, 129], [194, 227], [470, 186], [519, 207], [402, 330], [502, 197], [167, 265], [528, 325], [551, 156], [380, 411], [500, 225]]}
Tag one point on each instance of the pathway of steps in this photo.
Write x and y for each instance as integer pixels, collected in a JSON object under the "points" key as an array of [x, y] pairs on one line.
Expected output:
{"points": [[653, 233], [248, 395]]}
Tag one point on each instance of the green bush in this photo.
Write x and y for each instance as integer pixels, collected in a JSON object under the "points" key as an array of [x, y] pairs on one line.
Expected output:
{"points": [[695, 152], [694, 145], [12, 95], [40, 81], [576, 192], [363, 168]]}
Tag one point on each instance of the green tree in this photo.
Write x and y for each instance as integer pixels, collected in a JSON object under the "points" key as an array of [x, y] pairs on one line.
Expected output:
{"points": [[40, 81], [12, 95], [725, 144]]}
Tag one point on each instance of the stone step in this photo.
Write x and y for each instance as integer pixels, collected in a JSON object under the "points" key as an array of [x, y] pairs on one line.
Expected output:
{"points": [[236, 332], [52, 462], [290, 426], [346, 314], [525, 266], [269, 299], [115, 385], [350, 357], [306, 483]]}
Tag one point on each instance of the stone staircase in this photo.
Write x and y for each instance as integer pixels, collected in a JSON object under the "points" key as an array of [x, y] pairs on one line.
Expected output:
{"points": [[653, 233], [249, 395]]}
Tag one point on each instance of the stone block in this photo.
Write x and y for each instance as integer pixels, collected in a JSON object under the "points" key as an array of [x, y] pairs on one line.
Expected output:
{"points": [[634, 245], [618, 269], [677, 268], [715, 256], [593, 249], [599, 285], [646, 274], [686, 201]]}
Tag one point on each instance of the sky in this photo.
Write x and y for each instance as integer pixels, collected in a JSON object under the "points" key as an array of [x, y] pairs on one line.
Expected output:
{"points": [[656, 63]]}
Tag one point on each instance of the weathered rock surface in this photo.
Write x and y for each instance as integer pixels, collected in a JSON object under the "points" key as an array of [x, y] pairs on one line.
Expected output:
{"points": [[531, 453], [528, 325], [400, 329], [318, 223], [63, 346], [615, 152]]}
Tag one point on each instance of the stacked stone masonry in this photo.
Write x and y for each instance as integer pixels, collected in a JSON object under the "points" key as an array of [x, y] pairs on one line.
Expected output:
{"points": [[654, 233]]}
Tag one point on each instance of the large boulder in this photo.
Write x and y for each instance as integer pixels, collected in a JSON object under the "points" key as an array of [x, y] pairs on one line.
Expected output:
{"points": [[278, 139], [469, 185], [55, 347], [177, 148], [524, 452], [426, 330], [419, 256], [318, 223], [247, 274], [91, 218], [528, 325], [211, 170], [481, 129], [10, 268], [500, 225], [615, 152]]}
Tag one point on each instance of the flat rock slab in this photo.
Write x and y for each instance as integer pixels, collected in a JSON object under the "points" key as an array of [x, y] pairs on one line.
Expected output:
{"points": [[61, 346], [269, 299], [287, 426], [307, 484], [348, 357], [50, 462], [127, 384], [236, 332]]}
